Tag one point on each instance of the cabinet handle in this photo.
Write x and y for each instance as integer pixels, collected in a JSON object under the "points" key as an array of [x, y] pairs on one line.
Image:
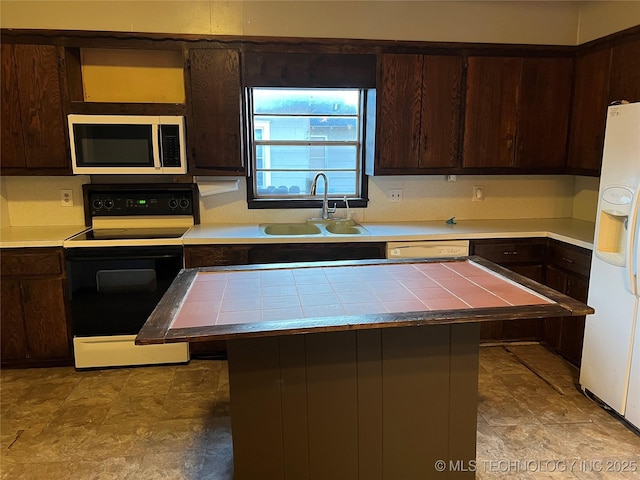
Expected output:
{"points": [[512, 252], [568, 260]]}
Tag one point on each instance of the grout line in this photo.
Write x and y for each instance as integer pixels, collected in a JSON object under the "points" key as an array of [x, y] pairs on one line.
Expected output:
{"points": [[533, 370]]}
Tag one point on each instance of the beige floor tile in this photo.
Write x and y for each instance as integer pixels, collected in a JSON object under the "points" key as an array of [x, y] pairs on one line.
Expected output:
{"points": [[173, 422]]}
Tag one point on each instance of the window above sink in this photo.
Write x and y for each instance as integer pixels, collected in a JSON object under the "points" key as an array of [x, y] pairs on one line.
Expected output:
{"points": [[299, 132]]}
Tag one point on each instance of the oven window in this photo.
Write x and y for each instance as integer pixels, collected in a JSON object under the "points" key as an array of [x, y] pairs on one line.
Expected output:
{"points": [[109, 145]]}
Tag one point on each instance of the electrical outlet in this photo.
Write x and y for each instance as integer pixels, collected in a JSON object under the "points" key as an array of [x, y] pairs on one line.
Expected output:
{"points": [[478, 193], [66, 198], [395, 195]]}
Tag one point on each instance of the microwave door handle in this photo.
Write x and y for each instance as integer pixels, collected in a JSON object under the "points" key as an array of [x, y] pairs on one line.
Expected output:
{"points": [[156, 151]]}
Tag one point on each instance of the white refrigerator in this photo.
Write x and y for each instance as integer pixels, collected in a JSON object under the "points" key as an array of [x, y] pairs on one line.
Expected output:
{"points": [[611, 355]]}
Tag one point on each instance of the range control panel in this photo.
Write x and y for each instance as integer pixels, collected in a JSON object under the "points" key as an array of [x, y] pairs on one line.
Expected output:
{"points": [[121, 203]]}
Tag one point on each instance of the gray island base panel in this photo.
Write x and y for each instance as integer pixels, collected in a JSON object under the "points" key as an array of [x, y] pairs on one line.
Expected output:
{"points": [[383, 395], [365, 404]]}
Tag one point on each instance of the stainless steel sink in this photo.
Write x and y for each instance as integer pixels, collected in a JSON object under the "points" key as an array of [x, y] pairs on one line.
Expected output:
{"points": [[314, 228]]}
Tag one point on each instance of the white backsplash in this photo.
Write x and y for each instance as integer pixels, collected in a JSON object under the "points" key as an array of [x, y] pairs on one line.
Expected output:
{"points": [[36, 200], [423, 198]]}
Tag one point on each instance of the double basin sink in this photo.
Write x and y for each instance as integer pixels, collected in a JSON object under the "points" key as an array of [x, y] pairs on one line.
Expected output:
{"points": [[314, 227]]}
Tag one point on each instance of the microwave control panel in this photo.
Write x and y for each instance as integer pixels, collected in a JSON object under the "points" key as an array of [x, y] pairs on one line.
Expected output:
{"points": [[170, 143]]}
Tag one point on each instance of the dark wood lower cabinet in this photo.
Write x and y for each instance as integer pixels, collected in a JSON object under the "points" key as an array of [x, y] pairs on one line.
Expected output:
{"points": [[34, 322], [564, 268], [219, 255], [523, 256], [567, 271]]}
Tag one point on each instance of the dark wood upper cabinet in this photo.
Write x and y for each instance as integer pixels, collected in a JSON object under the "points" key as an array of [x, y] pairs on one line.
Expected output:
{"points": [[543, 113], [214, 133], [624, 79], [418, 113], [34, 136], [11, 123], [441, 111], [589, 111], [491, 112], [517, 112]]}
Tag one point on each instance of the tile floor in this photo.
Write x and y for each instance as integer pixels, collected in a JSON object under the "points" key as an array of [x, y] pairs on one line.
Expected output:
{"points": [[173, 423]]}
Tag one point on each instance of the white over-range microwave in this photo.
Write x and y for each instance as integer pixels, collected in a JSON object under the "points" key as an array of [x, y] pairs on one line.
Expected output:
{"points": [[127, 144]]}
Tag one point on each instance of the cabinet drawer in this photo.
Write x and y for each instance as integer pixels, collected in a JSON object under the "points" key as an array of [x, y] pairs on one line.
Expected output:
{"points": [[510, 252], [26, 262], [574, 259]]}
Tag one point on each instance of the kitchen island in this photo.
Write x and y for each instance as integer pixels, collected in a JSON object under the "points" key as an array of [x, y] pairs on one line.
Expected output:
{"points": [[356, 369]]}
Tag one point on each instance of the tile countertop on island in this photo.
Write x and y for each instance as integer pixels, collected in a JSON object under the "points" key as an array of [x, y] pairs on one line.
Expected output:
{"points": [[569, 230], [38, 236]]}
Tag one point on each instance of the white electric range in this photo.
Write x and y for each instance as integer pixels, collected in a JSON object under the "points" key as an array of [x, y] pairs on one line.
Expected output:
{"points": [[119, 269]]}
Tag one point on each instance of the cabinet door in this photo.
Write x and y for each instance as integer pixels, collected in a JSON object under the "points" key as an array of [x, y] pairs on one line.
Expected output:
{"points": [[624, 81], [491, 108], [214, 134], [13, 338], [572, 330], [12, 153], [543, 112], [589, 111], [440, 118], [525, 329], [45, 318], [43, 120], [400, 105], [552, 329]]}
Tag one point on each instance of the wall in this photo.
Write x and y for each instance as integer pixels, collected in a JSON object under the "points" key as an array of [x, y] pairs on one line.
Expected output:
{"points": [[4, 204], [585, 198], [36, 200], [423, 198], [598, 19], [468, 21]]}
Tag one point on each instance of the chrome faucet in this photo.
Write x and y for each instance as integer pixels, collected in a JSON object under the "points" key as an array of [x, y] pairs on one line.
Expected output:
{"points": [[314, 186]]}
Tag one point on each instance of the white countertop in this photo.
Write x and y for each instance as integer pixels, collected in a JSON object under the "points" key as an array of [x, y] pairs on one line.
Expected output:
{"points": [[569, 230], [44, 236]]}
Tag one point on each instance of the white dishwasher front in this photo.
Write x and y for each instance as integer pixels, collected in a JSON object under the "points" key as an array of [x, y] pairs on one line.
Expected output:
{"points": [[428, 249]]}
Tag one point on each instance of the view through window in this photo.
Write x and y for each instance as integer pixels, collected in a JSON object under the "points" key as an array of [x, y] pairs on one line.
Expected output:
{"points": [[299, 132]]}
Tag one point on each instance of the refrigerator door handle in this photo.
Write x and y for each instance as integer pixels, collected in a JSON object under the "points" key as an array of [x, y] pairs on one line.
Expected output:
{"points": [[632, 245]]}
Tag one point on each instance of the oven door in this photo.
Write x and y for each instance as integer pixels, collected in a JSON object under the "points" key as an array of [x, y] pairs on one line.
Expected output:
{"points": [[112, 292]]}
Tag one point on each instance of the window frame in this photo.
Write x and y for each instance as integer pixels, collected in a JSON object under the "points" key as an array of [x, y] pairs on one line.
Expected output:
{"points": [[359, 201]]}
